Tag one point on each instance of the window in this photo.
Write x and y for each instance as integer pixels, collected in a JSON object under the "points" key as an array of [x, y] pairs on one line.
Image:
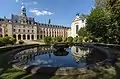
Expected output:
{"points": [[16, 21], [83, 21], [23, 30], [0, 35], [32, 31], [19, 30], [23, 26], [6, 30], [23, 21], [77, 28], [13, 30], [29, 22], [76, 49], [28, 30]]}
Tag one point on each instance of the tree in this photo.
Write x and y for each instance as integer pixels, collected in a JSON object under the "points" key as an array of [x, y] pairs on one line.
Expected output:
{"points": [[80, 39], [64, 39], [7, 40], [100, 3], [98, 23], [86, 39], [59, 39], [75, 39], [114, 7], [47, 39], [83, 32]]}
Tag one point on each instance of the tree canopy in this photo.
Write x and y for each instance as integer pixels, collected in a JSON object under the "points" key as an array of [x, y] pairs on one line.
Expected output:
{"points": [[104, 21]]}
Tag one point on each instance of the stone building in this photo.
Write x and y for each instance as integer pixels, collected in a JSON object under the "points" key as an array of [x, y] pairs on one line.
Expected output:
{"points": [[77, 23], [23, 27]]}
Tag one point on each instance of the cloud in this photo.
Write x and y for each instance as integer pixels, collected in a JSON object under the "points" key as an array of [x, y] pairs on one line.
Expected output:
{"points": [[31, 3], [40, 12], [17, 0], [34, 2]]}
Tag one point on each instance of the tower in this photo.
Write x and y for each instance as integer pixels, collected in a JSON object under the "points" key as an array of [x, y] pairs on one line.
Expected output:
{"points": [[23, 16], [23, 11], [78, 22], [49, 22]]}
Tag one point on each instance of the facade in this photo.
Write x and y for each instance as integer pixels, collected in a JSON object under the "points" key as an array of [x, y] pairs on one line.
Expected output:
{"points": [[23, 27], [77, 23]]}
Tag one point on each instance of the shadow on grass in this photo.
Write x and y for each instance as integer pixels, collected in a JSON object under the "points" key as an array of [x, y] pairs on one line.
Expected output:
{"points": [[117, 68], [40, 76], [44, 73]]}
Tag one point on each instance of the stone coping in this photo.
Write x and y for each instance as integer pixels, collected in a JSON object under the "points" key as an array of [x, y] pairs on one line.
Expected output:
{"points": [[51, 70], [17, 45], [104, 44], [12, 47]]}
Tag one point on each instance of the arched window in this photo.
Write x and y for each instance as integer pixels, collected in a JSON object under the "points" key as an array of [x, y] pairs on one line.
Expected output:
{"points": [[32, 37], [28, 37], [6, 34], [40, 36], [77, 28], [14, 36], [19, 37], [37, 36], [24, 37], [0, 35]]}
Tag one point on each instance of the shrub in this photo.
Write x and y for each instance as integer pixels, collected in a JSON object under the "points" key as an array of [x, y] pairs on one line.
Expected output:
{"points": [[70, 39], [86, 39], [64, 39], [13, 41], [75, 39], [47, 40], [21, 42], [80, 39], [53, 39], [2, 43], [59, 39], [7, 40]]}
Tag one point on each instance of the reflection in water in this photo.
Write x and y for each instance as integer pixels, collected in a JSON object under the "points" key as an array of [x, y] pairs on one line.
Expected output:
{"points": [[61, 52], [79, 54], [75, 56], [88, 55], [95, 56]]}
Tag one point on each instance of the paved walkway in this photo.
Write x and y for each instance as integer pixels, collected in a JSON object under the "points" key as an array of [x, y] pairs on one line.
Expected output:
{"points": [[32, 42]]}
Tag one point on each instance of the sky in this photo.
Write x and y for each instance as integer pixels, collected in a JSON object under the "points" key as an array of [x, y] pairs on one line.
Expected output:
{"points": [[61, 12]]}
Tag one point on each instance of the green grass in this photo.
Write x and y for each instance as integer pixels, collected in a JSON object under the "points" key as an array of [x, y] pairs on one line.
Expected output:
{"points": [[11, 74]]}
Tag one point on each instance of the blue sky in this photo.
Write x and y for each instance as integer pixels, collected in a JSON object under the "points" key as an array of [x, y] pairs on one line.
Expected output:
{"points": [[60, 12]]}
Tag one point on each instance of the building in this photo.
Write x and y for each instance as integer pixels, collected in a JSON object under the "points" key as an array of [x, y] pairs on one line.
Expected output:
{"points": [[23, 27], [77, 23]]}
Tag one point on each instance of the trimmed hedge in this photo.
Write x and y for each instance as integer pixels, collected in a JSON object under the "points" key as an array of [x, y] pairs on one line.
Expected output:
{"points": [[21, 42], [7, 40]]}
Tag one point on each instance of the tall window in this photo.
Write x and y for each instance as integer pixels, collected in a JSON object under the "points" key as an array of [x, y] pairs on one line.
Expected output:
{"points": [[19, 30], [13, 30], [23, 30], [77, 26]]}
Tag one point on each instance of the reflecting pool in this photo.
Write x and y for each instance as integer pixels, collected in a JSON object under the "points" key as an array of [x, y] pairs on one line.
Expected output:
{"points": [[75, 56]]}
